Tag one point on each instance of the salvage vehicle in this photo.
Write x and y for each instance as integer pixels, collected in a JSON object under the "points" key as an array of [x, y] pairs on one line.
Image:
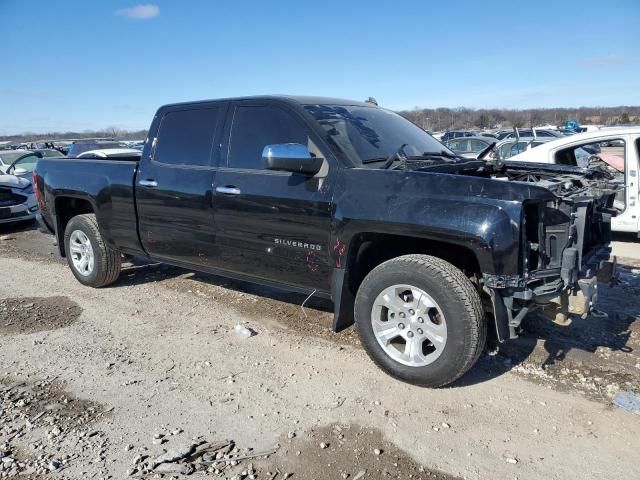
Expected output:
{"points": [[616, 150], [17, 200], [424, 250]]}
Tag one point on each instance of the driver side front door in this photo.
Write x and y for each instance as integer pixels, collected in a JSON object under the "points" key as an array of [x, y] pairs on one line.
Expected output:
{"points": [[271, 225]]}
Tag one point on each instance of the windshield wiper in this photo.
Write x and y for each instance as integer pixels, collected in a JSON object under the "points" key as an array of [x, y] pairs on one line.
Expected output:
{"points": [[388, 161], [374, 160], [403, 157], [440, 154], [398, 154]]}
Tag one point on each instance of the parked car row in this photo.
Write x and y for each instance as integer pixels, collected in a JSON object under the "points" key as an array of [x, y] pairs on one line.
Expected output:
{"points": [[570, 127], [72, 148], [17, 201], [507, 144]]}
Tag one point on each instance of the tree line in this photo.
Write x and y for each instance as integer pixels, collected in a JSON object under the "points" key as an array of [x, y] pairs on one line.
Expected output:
{"points": [[439, 119], [432, 119], [111, 132]]}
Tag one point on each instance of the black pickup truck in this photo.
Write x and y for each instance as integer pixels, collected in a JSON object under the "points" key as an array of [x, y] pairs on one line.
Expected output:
{"points": [[423, 249]]}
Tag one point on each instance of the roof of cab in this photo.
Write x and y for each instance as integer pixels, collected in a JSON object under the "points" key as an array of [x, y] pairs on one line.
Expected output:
{"points": [[292, 99]]}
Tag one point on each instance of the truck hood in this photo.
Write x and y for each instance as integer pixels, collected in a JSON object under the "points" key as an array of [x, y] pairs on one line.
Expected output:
{"points": [[11, 181]]}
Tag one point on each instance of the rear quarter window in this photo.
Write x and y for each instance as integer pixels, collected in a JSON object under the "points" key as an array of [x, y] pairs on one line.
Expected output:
{"points": [[186, 137]]}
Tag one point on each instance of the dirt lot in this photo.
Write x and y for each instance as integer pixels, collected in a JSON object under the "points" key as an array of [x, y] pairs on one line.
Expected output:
{"points": [[102, 383]]}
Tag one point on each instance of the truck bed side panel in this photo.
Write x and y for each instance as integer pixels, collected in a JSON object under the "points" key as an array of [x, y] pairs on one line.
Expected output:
{"points": [[106, 184]]}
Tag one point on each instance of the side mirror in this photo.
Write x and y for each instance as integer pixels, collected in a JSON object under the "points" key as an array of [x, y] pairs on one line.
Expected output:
{"points": [[19, 171], [291, 157]]}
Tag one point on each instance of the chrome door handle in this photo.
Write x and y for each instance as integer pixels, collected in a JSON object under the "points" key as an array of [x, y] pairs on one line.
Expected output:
{"points": [[228, 190], [148, 183]]}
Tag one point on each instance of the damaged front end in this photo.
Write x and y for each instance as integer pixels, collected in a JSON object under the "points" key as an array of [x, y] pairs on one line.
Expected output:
{"points": [[565, 247]]}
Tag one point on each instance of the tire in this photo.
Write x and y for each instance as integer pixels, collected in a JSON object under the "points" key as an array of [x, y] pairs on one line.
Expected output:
{"points": [[448, 327], [106, 264]]}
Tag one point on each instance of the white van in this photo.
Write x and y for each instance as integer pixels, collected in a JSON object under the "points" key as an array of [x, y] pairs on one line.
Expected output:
{"points": [[616, 149]]}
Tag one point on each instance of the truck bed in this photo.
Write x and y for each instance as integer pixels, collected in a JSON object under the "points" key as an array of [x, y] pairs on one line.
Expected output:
{"points": [[106, 184]]}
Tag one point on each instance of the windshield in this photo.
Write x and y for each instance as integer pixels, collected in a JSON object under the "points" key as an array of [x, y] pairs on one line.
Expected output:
{"points": [[368, 133]]}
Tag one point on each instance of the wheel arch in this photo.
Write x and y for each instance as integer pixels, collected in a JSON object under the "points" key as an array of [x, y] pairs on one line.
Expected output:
{"points": [[67, 207], [367, 250]]}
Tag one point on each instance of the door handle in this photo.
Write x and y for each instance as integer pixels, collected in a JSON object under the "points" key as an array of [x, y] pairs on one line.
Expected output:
{"points": [[148, 183], [228, 190]]}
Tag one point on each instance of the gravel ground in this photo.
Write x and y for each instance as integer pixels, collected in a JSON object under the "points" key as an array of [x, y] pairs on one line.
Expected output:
{"points": [[104, 383]]}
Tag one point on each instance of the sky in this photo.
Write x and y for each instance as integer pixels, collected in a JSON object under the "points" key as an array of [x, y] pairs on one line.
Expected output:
{"points": [[84, 65]]}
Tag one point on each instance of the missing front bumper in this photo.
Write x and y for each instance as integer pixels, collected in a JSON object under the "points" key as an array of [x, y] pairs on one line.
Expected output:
{"points": [[581, 301]]}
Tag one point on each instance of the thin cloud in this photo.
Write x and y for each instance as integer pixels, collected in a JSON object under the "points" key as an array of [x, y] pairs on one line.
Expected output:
{"points": [[605, 61], [140, 12], [22, 93]]}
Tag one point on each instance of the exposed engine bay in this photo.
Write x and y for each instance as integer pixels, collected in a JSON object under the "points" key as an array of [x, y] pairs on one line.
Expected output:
{"points": [[564, 182], [564, 240]]}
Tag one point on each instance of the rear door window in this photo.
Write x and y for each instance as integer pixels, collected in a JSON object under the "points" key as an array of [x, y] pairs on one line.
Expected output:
{"points": [[477, 145], [255, 127], [186, 137]]}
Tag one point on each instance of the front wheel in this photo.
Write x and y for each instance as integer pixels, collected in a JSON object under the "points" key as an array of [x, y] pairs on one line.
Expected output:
{"points": [[420, 319], [92, 261]]}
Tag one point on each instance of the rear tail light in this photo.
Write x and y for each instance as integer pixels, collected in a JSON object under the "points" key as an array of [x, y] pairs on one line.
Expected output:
{"points": [[36, 190]]}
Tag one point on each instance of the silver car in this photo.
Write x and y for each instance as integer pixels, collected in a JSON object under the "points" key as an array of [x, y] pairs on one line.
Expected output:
{"points": [[17, 200], [508, 148], [529, 133]]}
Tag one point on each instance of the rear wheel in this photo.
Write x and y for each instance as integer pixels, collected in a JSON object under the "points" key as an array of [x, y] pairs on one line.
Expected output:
{"points": [[92, 261], [420, 319]]}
